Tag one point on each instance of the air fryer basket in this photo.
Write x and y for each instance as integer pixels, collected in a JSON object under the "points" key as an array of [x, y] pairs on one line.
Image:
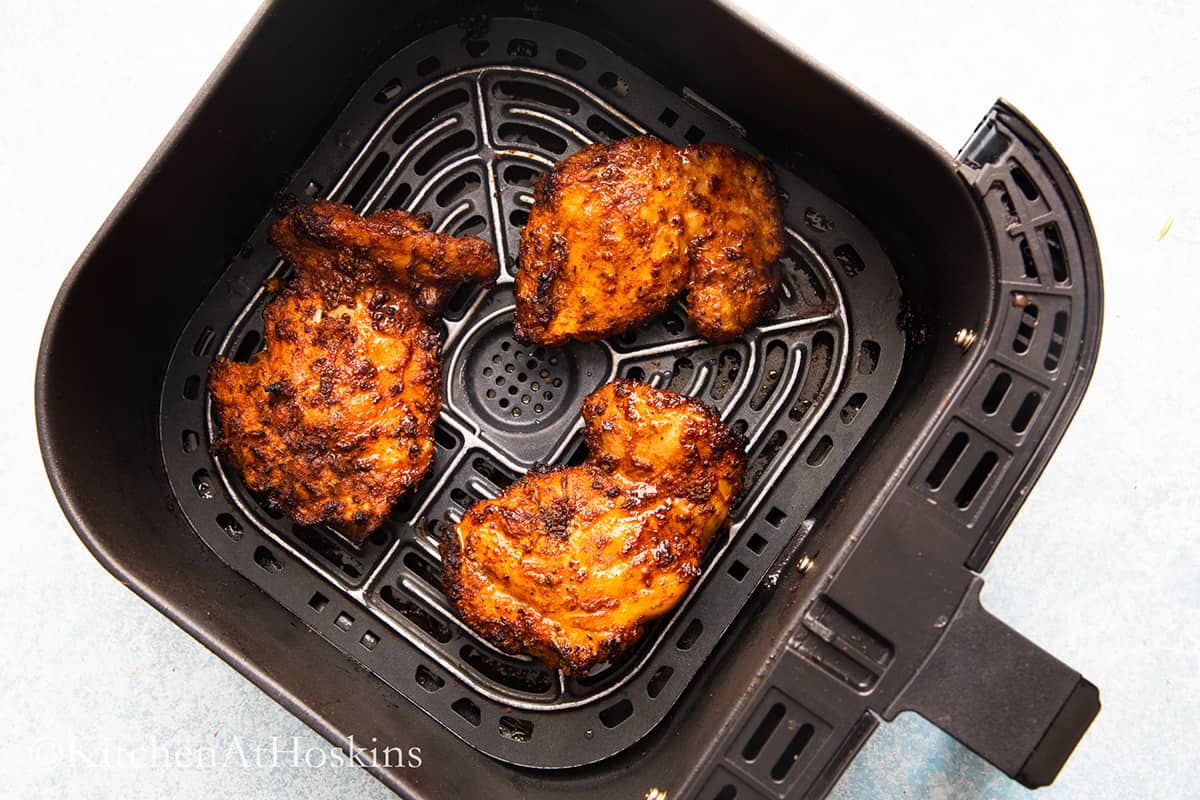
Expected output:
{"points": [[939, 324]]}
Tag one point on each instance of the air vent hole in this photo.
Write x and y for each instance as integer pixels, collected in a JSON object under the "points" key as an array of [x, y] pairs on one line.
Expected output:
{"points": [[570, 59], [791, 753], [467, 710], [614, 83], [530, 136], [668, 117], [762, 733], [232, 528], [1025, 184], [1025, 329], [617, 713], [970, 488], [429, 113], [267, 560], [428, 65], [738, 570], [366, 180], [1025, 412], [995, 395], [519, 730], [460, 141], [756, 544], [852, 407], [658, 681], [690, 635], [954, 450], [1058, 338], [817, 457], [318, 602], [428, 680]]}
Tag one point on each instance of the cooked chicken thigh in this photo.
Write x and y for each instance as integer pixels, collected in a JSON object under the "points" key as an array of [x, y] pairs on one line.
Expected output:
{"points": [[333, 421], [570, 563], [618, 231]]}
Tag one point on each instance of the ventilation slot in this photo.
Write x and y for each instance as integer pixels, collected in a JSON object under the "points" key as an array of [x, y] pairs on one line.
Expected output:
{"points": [[762, 733], [774, 361], [203, 483], [728, 792], [966, 495], [417, 615], [267, 560], [694, 135], [344, 621], [528, 135], [604, 129], [1024, 415], [390, 91], [738, 571], [995, 395], [428, 113], [810, 290], [248, 346], [851, 261], [519, 217], [369, 640], [330, 551], [690, 635], [668, 117], [472, 226], [1058, 256], [949, 457], [1025, 329], [756, 544], [729, 365], [522, 48], [399, 195], [868, 357], [204, 342], [454, 143], [1031, 270], [570, 59], [617, 713], [775, 517], [614, 83], [1058, 337], [820, 451], [521, 678], [791, 753], [536, 93], [817, 221], [520, 175], [232, 528], [318, 602], [428, 65], [467, 710], [519, 730], [428, 680], [659, 681], [477, 47], [852, 407], [190, 441], [457, 189], [1025, 184], [820, 361]]}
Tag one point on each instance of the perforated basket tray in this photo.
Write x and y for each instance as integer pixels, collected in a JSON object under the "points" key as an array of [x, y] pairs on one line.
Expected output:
{"points": [[874, 440]]}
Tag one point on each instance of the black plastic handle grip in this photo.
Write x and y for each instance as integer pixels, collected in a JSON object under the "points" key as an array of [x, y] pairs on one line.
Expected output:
{"points": [[1001, 695]]}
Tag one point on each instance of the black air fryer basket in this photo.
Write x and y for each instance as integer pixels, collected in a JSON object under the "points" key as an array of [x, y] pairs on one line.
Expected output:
{"points": [[939, 324]]}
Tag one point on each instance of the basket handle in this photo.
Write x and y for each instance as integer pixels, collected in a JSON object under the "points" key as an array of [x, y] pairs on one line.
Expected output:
{"points": [[1001, 695]]}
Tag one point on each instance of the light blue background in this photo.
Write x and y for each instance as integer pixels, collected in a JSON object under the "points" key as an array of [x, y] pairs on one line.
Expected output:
{"points": [[1102, 567]]}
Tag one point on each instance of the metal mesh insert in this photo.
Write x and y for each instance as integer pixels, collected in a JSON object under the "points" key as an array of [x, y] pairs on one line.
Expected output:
{"points": [[461, 128]]}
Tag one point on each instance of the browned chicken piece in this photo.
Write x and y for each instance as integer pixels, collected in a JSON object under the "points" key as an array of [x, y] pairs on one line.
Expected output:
{"points": [[570, 563], [333, 421], [618, 231]]}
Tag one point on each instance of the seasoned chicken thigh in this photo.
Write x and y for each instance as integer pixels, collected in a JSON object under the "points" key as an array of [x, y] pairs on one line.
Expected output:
{"points": [[570, 563], [618, 231], [333, 421]]}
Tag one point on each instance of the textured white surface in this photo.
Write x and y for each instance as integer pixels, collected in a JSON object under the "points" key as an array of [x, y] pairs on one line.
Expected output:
{"points": [[1102, 567]]}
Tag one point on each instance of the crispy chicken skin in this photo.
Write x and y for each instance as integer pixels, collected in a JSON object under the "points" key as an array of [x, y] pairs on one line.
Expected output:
{"points": [[570, 563], [333, 421], [618, 231]]}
